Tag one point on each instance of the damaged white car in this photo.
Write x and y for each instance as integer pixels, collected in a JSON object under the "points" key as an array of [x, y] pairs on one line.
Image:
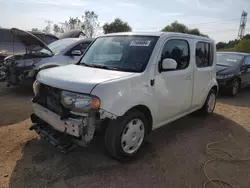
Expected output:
{"points": [[127, 84]]}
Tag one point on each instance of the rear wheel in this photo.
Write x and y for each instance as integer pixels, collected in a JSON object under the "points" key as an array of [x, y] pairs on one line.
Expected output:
{"points": [[210, 102], [125, 136]]}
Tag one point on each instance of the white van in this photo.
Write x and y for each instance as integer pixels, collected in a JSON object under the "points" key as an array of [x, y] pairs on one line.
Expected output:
{"points": [[129, 84]]}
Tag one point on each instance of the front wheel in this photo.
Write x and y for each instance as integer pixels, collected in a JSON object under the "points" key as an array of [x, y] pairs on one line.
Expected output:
{"points": [[125, 136], [209, 104], [234, 88]]}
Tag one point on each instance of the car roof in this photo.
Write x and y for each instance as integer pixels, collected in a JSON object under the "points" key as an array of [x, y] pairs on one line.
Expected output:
{"points": [[157, 34], [78, 39], [234, 53]]}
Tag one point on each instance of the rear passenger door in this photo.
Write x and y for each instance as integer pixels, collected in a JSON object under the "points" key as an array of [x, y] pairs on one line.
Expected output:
{"points": [[203, 72]]}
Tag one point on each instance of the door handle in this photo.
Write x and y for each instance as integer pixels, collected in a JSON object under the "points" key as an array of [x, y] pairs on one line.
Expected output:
{"points": [[188, 77]]}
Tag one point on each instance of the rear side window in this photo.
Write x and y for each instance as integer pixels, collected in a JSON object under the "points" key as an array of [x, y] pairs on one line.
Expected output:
{"points": [[204, 54], [178, 50]]}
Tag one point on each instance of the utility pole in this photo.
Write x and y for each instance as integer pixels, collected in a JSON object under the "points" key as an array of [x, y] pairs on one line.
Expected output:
{"points": [[243, 21]]}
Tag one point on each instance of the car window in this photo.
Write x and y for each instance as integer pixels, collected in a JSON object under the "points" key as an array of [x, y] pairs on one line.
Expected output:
{"points": [[58, 46], [123, 53], [247, 61], [50, 39], [204, 54], [82, 47], [179, 51]]}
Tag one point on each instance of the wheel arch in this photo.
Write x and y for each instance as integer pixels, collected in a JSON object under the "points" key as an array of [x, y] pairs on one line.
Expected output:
{"points": [[146, 111]]}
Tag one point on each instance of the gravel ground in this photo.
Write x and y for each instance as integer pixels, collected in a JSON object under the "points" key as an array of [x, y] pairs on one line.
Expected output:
{"points": [[173, 155]]}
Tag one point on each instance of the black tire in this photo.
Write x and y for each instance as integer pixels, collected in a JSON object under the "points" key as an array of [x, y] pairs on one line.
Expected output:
{"points": [[113, 136], [206, 109], [234, 88]]}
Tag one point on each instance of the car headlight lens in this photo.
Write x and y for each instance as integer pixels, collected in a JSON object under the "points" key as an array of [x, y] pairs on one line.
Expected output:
{"points": [[79, 103], [36, 87], [225, 76]]}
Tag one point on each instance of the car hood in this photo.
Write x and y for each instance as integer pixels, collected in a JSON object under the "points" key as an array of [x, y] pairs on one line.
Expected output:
{"points": [[73, 33], [30, 41], [78, 78], [224, 69]]}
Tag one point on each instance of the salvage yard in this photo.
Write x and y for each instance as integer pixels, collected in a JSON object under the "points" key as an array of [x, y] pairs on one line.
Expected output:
{"points": [[173, 156]]}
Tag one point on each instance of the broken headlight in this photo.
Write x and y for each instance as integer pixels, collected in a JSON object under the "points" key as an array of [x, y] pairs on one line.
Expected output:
{"points": [[79, 103]]}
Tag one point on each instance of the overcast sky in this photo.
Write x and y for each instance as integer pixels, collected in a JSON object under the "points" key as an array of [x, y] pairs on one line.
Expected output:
{"points": [[217, 18]]}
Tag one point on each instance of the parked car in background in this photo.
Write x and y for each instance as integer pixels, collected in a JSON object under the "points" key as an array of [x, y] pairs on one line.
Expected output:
{"points": [[233, 71], [22, 69], [10, 45], [130, 82]]}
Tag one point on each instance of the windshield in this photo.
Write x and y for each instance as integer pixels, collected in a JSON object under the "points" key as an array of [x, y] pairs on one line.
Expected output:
{"points": [[59, 45], [123, 53], [228, 59]]}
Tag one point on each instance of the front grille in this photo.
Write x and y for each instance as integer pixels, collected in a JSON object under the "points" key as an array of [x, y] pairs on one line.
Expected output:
{"points": [[49, 97]]}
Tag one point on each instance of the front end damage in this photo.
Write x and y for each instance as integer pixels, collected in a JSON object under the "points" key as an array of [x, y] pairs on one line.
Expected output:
{"points": [[21, 69], [59, 126]]}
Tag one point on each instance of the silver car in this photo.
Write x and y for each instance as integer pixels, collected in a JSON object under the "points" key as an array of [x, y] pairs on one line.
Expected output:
{"points": [[22, 69]]}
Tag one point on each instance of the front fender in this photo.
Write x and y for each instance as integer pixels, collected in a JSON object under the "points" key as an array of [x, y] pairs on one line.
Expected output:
{"points": [[117, 97]]}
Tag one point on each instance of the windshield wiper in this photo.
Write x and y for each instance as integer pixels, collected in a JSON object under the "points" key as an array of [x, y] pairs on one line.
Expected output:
{"points": [[100, 66]]}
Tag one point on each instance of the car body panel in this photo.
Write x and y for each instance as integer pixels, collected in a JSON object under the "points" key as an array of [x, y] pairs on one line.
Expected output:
{"points": [[83, 79]]}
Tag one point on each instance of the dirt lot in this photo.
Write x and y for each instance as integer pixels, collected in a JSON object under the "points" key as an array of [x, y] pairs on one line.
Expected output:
{"points": [[173, 156]]}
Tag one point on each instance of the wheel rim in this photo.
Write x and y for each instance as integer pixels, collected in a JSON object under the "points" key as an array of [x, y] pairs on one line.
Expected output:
{"points": [[211, 102], [132, 136], [235, 87]]}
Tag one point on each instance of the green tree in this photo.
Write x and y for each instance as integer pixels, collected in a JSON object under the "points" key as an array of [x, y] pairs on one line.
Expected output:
{"points": [[243, 46], [175, 27], [90, 23], [221, 45], [56, 29], [247, 36], [181, 28], [48, 27], [116, 26], [34, 29]]}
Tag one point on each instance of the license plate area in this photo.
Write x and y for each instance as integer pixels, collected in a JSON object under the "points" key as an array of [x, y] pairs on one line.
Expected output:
{"points": [[70, 126]]}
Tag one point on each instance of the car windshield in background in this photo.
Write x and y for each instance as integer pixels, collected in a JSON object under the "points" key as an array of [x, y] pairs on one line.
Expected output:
{"points": [[123, 53], [59, 45], [228, 59]]}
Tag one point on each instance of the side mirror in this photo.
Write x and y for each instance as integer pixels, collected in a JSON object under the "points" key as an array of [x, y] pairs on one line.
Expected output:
{"points": [[247, 66], [168, 64], [76, 53]]}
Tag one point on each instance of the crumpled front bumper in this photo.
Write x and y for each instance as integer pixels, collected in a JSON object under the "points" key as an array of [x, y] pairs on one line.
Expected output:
{"points": [[73, 127], [20, 75]]}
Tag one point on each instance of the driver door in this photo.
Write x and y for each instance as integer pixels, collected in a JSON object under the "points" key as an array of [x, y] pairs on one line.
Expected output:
{"points": [[174, 87]]}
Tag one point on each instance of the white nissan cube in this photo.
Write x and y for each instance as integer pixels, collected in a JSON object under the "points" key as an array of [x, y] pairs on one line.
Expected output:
{"points": [[126, 84]]}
